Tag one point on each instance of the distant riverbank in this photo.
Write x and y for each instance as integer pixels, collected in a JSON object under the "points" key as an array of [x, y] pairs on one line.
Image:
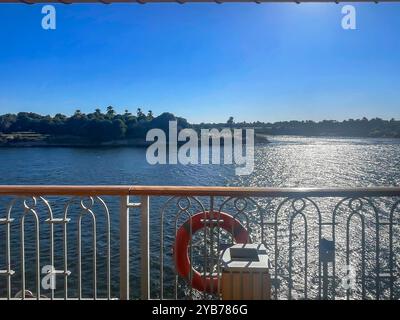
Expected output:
{"points": [[30, 140], [26, 140], [110, 129]]}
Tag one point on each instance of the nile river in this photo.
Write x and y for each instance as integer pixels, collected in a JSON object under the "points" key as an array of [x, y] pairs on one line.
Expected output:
{"points": [[286, 162]]}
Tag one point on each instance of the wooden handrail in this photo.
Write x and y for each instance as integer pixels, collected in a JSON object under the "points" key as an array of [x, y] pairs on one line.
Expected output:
{"points": [[123, 190]]}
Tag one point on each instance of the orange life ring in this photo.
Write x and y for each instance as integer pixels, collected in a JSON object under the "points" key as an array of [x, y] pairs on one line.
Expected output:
{"points": [[182, 241]]}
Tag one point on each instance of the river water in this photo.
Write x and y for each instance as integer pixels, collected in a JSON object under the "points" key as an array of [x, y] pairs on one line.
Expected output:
{"points": [[285, 162]]}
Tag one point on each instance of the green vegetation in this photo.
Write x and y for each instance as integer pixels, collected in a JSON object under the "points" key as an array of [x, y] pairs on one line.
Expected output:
{"points": [[348, 128], [96, 127], [102, 128]]}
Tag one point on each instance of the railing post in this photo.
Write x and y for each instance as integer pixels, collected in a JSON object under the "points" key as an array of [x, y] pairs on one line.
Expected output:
{"points": [[124, 248], [145, 250], [326, 255]]}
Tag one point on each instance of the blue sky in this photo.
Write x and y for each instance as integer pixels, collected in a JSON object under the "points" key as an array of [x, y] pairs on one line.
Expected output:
{"points": [[205, 62]]}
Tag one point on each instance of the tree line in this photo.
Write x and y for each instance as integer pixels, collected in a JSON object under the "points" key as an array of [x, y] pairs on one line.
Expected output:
{"points": [[96, 126], [101, 126], [364, 127]]}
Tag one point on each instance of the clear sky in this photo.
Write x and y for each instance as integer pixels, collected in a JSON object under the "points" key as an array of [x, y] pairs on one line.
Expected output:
{"points": [[204, 62]]}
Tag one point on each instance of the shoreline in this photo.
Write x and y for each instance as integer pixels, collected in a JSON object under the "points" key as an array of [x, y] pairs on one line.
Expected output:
{"points": [[141, 143], [54, 142]]}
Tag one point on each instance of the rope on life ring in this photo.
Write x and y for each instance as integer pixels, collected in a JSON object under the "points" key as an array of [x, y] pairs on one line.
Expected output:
{"points": [[182, 241]]}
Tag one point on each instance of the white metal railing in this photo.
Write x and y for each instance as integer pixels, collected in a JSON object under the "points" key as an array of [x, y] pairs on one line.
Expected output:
{"points": [[78, 232]]}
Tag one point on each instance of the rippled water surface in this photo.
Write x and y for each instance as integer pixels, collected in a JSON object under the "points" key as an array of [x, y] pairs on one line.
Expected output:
{"points": [[287, 161]]}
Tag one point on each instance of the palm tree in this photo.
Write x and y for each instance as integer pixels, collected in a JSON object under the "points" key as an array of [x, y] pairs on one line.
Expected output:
{"points": [[140, 114], [110, 112]]}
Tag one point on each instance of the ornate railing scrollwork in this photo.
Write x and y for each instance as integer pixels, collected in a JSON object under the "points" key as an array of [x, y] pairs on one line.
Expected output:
{"points": [[321, 243]]}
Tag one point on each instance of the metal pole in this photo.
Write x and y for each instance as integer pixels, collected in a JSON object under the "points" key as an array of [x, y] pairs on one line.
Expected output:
{"points": [[124, 248], [325, 280], [145, 249]]}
